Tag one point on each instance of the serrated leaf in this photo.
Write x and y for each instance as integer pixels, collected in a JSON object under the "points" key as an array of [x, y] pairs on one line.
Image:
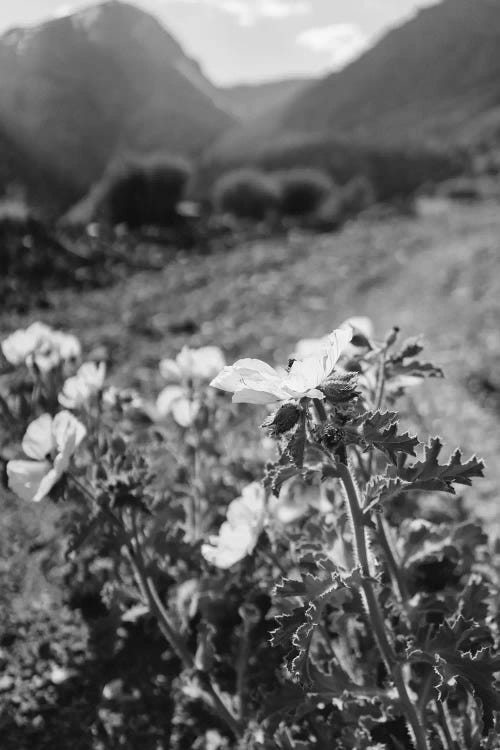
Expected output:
{"points": [[453, 665], [315, 592], [429, 474], [473, 603], [276, 475], [380, 430], [296, 445], [410, 348], [413, 369], [380, 489]]}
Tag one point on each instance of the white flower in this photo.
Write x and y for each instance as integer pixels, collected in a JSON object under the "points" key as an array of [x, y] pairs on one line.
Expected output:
{"points": [[193, 364], [40, 345], [80, 388], [358, 324], [189, 367], [50, 442], [239, 534], [255, 382], [295, 499], [175, 400], [21, 344]]}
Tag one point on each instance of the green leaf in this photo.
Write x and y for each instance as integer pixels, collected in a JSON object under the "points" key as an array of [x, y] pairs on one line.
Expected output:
{"points": [[296, 445], [380, 430], [411, 347], [276, 475], [414, 369], [429, 474], [314, 592], [453, 665], [473, 603]]}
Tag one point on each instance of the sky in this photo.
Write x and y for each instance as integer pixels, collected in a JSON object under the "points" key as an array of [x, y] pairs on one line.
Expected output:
{"points": [[254, 40]]}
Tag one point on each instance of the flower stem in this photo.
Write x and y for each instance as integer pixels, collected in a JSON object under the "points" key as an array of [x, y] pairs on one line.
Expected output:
{"points": [[392, 564], [387, 652], [157, 609]]}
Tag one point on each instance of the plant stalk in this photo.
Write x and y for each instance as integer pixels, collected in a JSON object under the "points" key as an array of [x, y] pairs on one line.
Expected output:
{"points": [[376, 617], [156, 607]]}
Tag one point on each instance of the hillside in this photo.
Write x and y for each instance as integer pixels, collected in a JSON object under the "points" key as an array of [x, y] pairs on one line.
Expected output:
{"points": [[23, 177], [246, 101], [260, 298], [80, 90], [433, 78], [432, 81]]}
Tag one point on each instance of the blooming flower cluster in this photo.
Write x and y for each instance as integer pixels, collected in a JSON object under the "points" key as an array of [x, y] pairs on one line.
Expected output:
{"points": [[40, 346]]}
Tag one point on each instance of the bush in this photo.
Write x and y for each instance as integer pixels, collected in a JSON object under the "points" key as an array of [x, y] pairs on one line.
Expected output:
{"points": [[356, 196], [142, 192], [303, 190], [247, 194]]}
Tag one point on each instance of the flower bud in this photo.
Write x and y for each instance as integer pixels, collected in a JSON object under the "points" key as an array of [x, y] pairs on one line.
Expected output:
{"points": [[341, 387], [282, 420], [391, 337]]}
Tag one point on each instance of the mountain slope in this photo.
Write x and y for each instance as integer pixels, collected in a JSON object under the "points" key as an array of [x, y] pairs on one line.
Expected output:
{"points": [[433, 81], [256, 99], [434, 77], [80, 90]]}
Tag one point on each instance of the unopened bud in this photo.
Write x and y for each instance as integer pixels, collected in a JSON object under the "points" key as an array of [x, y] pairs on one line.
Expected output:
{"points": [[341, 387], [391, 337], [283, 420]]}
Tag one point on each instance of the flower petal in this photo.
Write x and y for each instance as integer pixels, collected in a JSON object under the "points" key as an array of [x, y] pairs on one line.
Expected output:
{"points": [[39, 442], [167, 397], [254, 396], [184, 411], [25, 478], [68, 433], [46, 484], [229, 547], [170, 370]]}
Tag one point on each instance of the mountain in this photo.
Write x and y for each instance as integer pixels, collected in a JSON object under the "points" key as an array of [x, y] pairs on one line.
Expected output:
{"points": [[79, 91], [251, 100], [434, 78], [25, 178], [433, 82]]}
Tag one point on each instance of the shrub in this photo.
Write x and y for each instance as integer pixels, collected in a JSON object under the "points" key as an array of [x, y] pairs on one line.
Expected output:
{"points": [[247, 194], [142, 192], [357, 195], [303, 190]]}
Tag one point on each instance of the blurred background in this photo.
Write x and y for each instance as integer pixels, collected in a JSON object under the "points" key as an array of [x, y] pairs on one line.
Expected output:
{"points": [[246, 173]]}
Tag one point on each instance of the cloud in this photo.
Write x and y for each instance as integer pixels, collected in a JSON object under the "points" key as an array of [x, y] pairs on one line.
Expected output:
{"points": [[248, 12], [339, 43]]}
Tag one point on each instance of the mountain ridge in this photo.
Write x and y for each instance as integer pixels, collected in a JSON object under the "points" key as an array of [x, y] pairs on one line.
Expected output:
{"points": [[431, 81], [83, 89]]}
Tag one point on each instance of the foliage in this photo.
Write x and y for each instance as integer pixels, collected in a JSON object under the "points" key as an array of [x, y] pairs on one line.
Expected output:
{"points": [[395, 171], [323, 606], [246, 193], [303, 190], [142, 191]]}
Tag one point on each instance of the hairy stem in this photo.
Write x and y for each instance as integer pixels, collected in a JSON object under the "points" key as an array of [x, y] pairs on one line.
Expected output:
{"points": [[156, 607], [383, 534], [375, 613]]}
